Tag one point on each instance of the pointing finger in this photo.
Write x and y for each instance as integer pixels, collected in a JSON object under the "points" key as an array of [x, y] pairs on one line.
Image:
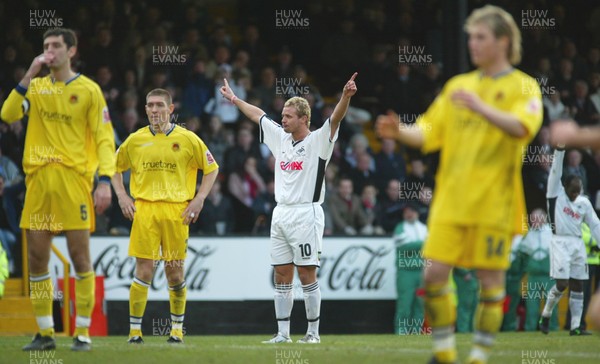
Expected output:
{"points": [[353, 76]]}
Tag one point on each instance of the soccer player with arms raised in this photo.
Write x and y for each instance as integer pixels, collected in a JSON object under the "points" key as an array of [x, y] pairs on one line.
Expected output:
{"points": [[69, 138], [481, 123], [297, 228], [567, 209], [567, 132], [164, 159]]}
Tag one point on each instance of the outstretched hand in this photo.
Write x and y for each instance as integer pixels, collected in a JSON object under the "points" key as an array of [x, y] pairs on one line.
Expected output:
{"points": [[226, 91], [388, 126], [350, 86]]}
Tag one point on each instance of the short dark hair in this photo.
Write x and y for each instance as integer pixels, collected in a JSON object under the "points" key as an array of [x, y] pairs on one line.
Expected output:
{"points": [[570, 178], [68, 35], [160, 92]]}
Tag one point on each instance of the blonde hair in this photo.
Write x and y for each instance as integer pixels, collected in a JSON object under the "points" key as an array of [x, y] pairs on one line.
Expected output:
{"points": [[301, 105], [502, 24]]}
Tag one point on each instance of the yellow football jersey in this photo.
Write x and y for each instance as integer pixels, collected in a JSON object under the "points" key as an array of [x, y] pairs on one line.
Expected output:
{"points": [[164, 166], [478, 181], [68, 123]]}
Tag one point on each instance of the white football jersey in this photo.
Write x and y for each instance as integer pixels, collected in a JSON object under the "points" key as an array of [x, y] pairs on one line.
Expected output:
{"points": [[299, 165], [565, 215]]}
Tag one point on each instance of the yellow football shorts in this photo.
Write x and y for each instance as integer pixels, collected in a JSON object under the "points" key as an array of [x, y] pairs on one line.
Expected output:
{"points": [[473, 247], [158, 232], [58, 198]]}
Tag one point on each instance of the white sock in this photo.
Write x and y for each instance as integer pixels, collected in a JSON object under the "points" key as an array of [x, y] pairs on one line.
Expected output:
{"points": [[312, 302], [553, 297], [284, 301], [576, 308]]}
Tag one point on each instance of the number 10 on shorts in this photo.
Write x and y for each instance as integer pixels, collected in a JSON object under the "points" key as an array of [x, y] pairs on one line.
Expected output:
{"points": [[305, 250]]}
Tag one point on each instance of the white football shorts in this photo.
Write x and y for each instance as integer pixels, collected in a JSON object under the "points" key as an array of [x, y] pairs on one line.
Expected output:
{"points": [[568, 258], [297, 234]]}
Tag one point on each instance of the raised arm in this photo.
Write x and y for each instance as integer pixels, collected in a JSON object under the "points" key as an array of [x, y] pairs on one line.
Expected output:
{"points": [[16, 105], [252, 112], [554, 184], [342, 106]]}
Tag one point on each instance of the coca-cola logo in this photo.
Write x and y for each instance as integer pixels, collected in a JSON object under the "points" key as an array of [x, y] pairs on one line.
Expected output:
{"points": [[118, 272], [356, 268]]}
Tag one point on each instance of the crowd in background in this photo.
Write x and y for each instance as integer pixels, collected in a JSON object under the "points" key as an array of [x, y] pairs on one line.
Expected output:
{"points": [[131, 47]]}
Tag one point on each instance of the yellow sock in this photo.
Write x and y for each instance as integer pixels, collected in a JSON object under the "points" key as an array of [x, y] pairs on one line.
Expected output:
{"points": [[488, 319], [177, 295], [441, 316], [138, 297], [41, 295], [85, 299]]}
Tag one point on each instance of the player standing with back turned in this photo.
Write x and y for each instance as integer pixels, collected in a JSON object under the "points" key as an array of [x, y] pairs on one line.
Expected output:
{"points": [[481, 122], [301, 157], [69, 137]]}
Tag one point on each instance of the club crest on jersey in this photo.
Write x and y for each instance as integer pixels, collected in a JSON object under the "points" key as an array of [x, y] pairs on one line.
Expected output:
{"points": [[175, 147], [291, 166], [73, 99], [301, 152]]}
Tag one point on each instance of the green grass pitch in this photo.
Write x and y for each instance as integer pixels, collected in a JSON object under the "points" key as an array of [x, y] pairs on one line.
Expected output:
{"points": [[556, 348]]}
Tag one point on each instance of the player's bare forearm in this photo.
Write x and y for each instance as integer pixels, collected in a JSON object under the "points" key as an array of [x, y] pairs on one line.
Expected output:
{"points": [[391, 127], [586, 137], [570, 134], [410, 136], [125, 202], [506, 122], [339, 112], [252, 112], [35, 68], [118, 186], [342, 106], [208, 180]]}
